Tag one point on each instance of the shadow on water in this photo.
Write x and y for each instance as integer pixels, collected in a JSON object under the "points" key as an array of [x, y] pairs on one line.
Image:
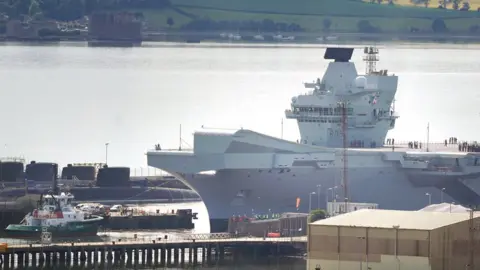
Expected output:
{"points": [[280, 263]]}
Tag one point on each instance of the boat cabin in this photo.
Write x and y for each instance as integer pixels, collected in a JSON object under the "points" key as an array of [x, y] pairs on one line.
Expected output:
{"points": [[51, 202], [54, 210]]}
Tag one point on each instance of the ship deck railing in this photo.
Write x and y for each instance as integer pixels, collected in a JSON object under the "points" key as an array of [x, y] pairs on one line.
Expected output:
{"points": [[403, 146], [171, 150], [398, 146]]}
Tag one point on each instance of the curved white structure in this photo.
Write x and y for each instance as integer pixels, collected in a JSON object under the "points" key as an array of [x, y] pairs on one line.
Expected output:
{"points": [[261, 174]]}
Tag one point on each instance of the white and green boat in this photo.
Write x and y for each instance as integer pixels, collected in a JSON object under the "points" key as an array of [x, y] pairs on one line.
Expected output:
{"points": [[55, 214]]}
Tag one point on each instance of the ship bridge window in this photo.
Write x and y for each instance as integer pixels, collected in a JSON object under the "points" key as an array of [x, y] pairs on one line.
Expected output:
{"points": [[323, 110], [338, 111]]}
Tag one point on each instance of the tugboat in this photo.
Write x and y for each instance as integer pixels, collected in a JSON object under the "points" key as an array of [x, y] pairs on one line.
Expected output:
{"points": [[56, 215]]}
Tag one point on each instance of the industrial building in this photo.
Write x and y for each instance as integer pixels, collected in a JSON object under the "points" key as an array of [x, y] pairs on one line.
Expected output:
{"points": [[338, 207], [374, 239], [288, 224]]}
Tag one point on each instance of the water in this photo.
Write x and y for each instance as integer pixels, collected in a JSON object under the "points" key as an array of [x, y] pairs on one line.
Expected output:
{"points": [[285, 263], [62, 103], [201, 226]]}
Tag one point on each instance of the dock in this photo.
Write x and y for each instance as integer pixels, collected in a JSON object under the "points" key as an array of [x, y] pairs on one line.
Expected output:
{"points": [[192, 249]]}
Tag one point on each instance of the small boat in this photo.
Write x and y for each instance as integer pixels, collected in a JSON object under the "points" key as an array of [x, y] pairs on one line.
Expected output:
{"points": [[56, 215]]}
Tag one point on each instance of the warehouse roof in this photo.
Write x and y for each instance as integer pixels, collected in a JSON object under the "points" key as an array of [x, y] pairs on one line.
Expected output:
{"points": [[445, 207], [377, 218]]}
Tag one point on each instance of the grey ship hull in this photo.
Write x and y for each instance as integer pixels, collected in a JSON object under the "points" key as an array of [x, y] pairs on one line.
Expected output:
{"points": [[262, 174], [248, 181], [239, 192]]}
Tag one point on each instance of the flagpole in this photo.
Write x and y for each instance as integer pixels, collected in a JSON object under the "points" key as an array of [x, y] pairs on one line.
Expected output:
{"points": [[428, 135]]}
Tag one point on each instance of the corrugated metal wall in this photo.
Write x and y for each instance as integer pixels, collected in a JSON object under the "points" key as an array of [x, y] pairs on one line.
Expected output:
{"points": [[335, 247]]}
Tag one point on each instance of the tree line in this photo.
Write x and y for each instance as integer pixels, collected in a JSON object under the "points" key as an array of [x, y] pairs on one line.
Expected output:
{"points": [[70, 10], [266, 25]]}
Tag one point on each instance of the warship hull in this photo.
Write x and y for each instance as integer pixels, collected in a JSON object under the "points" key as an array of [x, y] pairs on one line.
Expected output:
{"points": [[272, 180], [247, 192], [112, 195], [343, 123]]}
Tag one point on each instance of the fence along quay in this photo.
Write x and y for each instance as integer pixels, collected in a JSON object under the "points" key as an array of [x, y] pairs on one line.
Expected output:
{"points": [[190, 249]]}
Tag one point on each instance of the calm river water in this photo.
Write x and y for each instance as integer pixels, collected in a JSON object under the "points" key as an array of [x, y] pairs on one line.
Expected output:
{"points": [[62, 103]]}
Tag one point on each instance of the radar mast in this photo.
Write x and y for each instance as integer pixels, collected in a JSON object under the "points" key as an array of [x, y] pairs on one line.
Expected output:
{"points": [[371, 58]]}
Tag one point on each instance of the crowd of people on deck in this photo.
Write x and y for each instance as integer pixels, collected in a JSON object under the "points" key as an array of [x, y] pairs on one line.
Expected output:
{"points": [[390, 141], [463, 146], [415, 145], [451, 140], [468, 147]]}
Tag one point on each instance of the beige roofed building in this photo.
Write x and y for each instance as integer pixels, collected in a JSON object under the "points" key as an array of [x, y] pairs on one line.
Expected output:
{"points": [[387, 239]]}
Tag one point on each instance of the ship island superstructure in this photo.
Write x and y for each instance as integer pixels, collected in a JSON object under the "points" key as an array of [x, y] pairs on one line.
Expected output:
{"points": [[367, 100], [344, 116]]}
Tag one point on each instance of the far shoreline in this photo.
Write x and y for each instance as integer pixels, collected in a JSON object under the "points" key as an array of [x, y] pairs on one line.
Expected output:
{"points": [[256, 45]]}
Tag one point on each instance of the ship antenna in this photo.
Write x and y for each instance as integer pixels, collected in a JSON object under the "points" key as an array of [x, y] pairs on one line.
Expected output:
{"points": [[371, 58], [428, 135]]}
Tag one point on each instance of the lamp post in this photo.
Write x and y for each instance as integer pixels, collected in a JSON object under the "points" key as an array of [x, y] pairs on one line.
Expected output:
{"points": [[441, 194], [429, 198], [319, 188], [106, 153], [333, 200], [310, 202], [333, 193]]}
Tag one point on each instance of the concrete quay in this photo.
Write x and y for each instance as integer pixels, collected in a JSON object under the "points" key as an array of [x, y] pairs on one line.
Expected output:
{"points": [[191, 250]]}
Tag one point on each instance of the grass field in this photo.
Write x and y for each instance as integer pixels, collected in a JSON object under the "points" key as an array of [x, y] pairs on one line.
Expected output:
{"points": [[310, 14], [474, 4], [345, 8]]}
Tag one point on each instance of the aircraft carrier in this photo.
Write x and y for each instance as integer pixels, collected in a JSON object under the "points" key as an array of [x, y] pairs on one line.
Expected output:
{"points": [[343, 121]]}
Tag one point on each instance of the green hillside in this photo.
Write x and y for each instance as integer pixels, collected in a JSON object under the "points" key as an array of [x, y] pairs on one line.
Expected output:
{"points": [[344, 15], [344, 8]]}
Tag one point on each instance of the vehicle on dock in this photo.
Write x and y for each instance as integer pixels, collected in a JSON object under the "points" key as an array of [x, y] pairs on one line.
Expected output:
{"points": [[56, 215]]}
